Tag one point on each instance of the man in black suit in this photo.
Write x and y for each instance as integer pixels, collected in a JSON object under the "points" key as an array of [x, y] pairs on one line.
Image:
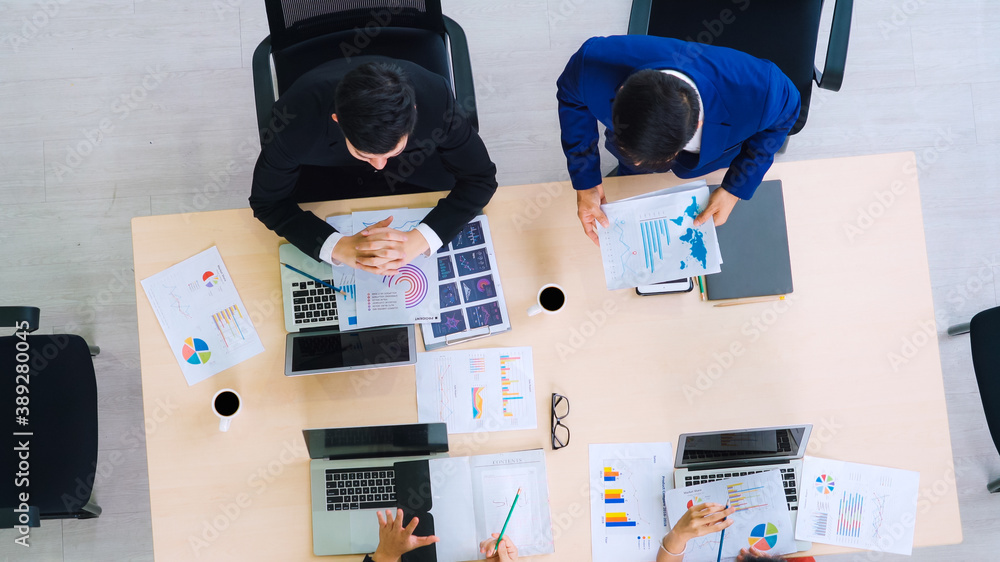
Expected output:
{"points": [[370, 126]]}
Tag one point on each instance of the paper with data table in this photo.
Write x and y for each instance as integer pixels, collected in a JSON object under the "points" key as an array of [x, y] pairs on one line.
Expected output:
{"points": [[627, 486], [207, 327], [404, 298], [857, 505], [761, 520], [477, 390], [652, 238]]}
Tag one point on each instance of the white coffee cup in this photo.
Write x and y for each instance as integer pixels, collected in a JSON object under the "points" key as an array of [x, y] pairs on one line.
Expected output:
{"points": [[226, 404], [550, 300]]}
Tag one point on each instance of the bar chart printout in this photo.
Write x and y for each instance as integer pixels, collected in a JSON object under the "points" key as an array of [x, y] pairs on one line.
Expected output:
{"points": [[856, 505], [627, 485], [477, 389]]}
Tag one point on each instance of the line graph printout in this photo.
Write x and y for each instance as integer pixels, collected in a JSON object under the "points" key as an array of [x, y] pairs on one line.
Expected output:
{"points": [[202, 316], [477, 390], [761, 519], [627, 486], [409, 297], [652, 238], [858, 505]]}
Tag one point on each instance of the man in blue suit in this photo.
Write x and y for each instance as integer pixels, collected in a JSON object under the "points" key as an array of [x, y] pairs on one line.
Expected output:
{"points": [[672, 105]]}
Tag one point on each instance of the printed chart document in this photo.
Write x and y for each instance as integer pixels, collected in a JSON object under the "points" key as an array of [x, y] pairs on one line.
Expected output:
{"points": [[477, 389], [652, 238], [343, 279], [202, 316], [761, 520], [468, 282], [404, 298], [627, 486], [489, 483], [857, 505]]}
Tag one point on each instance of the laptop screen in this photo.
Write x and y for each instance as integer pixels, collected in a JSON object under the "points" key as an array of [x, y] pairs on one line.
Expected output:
{"points": [[773, 443], [333, 350], [377, 441]]}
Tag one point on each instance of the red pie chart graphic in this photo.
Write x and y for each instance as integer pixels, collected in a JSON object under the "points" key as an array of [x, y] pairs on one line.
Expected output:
{"points": [[413, 280]]}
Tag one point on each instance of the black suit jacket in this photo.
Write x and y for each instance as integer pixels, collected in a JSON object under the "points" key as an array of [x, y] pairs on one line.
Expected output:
{"points": [[304, 133]]}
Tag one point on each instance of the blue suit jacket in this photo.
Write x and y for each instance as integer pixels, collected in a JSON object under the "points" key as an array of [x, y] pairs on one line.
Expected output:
{"points": [[750, 105]]}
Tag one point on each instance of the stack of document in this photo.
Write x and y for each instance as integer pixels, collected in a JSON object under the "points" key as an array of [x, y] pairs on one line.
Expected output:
{"points": [[652, 238]]}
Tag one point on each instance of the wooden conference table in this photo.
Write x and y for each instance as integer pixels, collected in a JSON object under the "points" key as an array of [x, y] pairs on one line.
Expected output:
{"points": [[853, 351]]}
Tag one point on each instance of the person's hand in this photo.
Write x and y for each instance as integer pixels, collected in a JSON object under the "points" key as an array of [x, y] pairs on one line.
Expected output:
{"points": [[698, 521], [753, 552], [588, 208], [394, 540], [506, 553], [377, 249], [720, 204]]}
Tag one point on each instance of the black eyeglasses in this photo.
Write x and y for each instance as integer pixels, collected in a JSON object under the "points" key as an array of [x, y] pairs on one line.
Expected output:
{"points": [[560, 433]]}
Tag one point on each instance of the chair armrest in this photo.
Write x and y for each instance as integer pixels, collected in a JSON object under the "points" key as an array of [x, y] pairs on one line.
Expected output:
{"points": [[9, 519], [638, 21], [461, 68], [832, 75], [263, 86], [13, 315]]}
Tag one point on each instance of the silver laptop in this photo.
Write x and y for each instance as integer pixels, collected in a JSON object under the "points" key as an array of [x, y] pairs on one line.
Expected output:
{"points": [[711, 456], [352, 477], [307, 304]]}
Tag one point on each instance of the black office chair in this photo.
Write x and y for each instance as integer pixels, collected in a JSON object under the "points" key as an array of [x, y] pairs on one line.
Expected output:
{"points": [[59, 394], [784, 32], [984, 334], [307, 33]]}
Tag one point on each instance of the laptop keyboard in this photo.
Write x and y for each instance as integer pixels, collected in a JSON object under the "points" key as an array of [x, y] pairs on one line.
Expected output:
{"points": [[360, 488], [313, 302], [787, 476]]}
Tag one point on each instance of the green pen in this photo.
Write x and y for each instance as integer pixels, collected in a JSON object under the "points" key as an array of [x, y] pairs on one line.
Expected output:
{"points": [[509, 513]]}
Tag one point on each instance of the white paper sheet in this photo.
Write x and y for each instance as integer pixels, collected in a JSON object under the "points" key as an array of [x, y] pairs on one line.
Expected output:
{"points": [[761, 520], [627, 486], [857, 505], [653, 238], [477, 389], [405, 298], [202, 316], [343, 279]]}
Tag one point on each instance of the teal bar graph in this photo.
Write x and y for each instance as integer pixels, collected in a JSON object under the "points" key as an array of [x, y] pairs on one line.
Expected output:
{"points": [[654, 236]]}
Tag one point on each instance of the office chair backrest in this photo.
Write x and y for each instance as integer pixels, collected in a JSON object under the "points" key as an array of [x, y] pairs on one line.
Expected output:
{"points": [[294, 21], [984, 332], [784, 32]]}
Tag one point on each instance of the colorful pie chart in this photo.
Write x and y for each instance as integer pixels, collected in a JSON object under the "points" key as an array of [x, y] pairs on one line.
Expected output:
{"points": [[195, 351], [763, 537], [824, 483], [210, 279], [483, 285], [414, 281], [695, 501]]}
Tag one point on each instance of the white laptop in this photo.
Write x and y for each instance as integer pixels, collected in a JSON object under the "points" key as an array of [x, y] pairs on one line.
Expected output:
{"points": [[711, 456], [352, 477], [307, 304]]}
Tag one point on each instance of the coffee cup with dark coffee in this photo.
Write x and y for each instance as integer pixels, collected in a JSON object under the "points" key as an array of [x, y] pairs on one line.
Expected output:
{"points": [[226, 404], [550, 300]]}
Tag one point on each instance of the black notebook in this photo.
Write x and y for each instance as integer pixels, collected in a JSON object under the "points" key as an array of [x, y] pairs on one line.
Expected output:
{"points": [[754, 245]]}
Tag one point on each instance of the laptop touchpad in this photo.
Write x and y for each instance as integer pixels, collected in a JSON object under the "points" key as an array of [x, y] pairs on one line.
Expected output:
{"points": [[364, 531]]}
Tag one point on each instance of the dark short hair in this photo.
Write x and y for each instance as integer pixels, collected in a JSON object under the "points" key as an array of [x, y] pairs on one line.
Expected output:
{"points": [[375, 107], [654, 116]]}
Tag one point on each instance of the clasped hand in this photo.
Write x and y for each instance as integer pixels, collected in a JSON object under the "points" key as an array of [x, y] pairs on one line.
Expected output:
{"points": [[379, 249]]}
